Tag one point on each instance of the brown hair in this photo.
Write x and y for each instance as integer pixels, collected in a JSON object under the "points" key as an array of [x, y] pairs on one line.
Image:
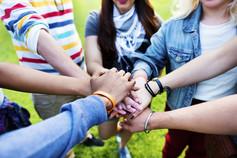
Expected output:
{"points": [[107, 31]]}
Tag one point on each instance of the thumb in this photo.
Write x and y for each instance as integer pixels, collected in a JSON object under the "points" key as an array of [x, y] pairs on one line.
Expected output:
{"points": [[134, 115], [125, 125]]}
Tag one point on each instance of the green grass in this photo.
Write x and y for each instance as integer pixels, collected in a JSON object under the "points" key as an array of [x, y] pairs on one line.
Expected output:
{"points": [[141, 145]]}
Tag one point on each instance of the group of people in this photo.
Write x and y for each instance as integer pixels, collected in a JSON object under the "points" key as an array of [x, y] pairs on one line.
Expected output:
{"points": [[196, 44]]}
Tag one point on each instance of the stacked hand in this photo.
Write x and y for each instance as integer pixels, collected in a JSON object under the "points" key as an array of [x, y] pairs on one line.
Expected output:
{"points": [[117, 84], [131, 100]]}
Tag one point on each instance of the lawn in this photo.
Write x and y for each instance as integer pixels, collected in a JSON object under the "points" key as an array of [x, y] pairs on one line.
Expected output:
{"points": [[141, 144]]}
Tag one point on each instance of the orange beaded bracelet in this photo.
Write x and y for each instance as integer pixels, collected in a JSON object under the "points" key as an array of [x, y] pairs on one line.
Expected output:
{"points": [[107, 96]]}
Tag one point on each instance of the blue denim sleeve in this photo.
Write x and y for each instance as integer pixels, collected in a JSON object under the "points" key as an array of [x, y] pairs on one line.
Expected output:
{"points": [[155, 57], [140, 65], [55, 136]]}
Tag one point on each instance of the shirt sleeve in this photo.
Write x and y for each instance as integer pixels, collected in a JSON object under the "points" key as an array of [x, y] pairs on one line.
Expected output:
{"points": [[92, 24], [55, 136], [22, 21], [156, 55]]}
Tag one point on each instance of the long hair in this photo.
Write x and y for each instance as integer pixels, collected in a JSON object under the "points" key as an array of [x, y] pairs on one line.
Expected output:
{"points": [[182, 8], [107, 31]]}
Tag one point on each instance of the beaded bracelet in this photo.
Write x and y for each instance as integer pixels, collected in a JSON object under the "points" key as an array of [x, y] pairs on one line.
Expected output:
{"points": [[145, 126], [143, 76], [107, 96]]}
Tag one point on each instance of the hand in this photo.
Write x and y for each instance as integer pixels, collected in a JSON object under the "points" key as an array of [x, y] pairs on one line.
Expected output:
{"points": [[130, 104], [136, 124], [143, 95], [117, 84], [100, 72]]}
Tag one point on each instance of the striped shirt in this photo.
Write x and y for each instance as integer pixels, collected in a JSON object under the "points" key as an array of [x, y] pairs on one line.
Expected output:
{"points": [[25, 18]]}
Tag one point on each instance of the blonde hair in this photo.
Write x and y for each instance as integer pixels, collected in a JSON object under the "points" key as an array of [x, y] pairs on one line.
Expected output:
{"points": [[182, 8]]}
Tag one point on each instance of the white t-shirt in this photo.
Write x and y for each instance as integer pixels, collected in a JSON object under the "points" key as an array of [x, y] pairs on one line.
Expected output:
{"points": [[213, 37], [1, 97]]}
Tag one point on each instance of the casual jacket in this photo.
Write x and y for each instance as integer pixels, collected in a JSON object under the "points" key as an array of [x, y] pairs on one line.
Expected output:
{"points": [[176, 43]]}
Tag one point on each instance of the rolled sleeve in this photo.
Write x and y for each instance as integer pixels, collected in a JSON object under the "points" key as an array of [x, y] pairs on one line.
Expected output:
{"points": [[141, 65], [33, 36]]}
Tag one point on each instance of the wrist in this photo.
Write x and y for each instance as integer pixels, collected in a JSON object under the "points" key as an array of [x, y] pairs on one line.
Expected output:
{"points": [[160, 86], [109, 97], [147, 128], [106, 101], [140, 74]]}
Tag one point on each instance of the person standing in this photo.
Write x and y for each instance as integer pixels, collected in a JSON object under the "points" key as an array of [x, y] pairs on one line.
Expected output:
{"points": [[197, 27], [120, 28]]}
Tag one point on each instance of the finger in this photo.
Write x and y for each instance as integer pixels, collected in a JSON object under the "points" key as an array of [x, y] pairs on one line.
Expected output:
{"points": [[128, 76], [98, 73], [135, 88], [127, 105], [130, 109], [131, 84], [134, 97], [120, 107], [125, 126], [113, 114], [134, 115], [121, 72], [122, 112], [114, 69], [135, 105]]}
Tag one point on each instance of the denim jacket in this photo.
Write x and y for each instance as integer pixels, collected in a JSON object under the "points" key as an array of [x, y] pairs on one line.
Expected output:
{"points": [[176, 43]]}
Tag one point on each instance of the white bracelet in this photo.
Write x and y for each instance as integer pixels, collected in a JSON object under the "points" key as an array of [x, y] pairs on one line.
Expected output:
{"points": [[145, 126]]}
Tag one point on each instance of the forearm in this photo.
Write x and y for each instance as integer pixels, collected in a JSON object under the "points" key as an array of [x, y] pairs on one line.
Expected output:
{"points": [[93, 67], [57, 57], [55, 136], [215, 117], [93, 55], [28, 80], [204, 67], [38, 140]]}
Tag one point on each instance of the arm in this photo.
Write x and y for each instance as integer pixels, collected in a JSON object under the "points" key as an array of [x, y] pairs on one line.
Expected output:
{"points": [[30, 80], [55, 136], [221, 59], [214, 117], [93, 55], [25, 24], [155, 57], [55, 55]]}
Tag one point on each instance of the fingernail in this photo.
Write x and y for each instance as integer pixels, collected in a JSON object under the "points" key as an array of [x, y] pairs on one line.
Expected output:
{"points": [[138, 101], [131, 116], [139, 108]]}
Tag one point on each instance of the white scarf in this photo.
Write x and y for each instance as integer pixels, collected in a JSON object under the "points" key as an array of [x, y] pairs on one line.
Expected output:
{"points": [[130, 32]]}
